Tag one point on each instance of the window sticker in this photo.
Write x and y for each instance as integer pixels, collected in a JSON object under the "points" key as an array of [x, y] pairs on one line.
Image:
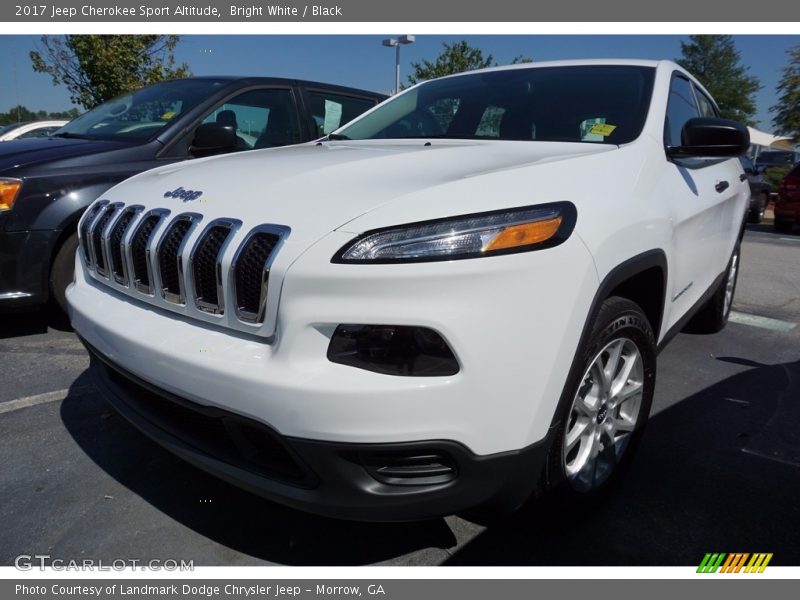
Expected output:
{"points": [[595, 130], [333, 116]]}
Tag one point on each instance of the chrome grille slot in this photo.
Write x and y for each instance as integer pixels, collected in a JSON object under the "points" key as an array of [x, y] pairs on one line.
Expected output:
{"points": [[169, 258], [116, 253], [207, 268], [140, 252], [96, 234], [251, 271], [86, 226]]}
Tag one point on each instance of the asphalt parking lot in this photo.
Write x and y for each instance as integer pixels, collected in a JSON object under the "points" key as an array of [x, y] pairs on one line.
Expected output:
{"points": [[718, 471]]}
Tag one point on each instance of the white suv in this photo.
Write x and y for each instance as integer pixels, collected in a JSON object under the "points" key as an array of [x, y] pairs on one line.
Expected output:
{"points": [[448, 304]]}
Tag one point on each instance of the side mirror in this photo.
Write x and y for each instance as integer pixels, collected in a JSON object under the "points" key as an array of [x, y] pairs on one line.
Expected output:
{"points": [[213, 138], [704, 137]]}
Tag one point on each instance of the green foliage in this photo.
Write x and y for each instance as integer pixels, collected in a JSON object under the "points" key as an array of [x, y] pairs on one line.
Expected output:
{"points": [[774, 175], [19, 114], [454, 58], [716, 63], [96, 68], [787, 110]]}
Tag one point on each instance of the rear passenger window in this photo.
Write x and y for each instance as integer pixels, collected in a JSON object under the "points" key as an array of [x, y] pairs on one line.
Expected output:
{"points": [[331, 111], [680, 108]]}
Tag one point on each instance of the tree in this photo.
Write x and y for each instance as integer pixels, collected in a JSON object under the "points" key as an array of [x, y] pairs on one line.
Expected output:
{"points": [[455, 58], [96, 68], [787, 110], [18, 114], [716, 63]]}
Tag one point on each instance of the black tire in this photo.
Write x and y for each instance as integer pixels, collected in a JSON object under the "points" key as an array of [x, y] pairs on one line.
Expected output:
{"points": [[782, 226], [62, 271], [713, 316], [623, 322]]}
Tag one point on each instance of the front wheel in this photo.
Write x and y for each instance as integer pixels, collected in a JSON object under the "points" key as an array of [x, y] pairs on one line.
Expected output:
{"points": [[609, 405], [62, 271]]}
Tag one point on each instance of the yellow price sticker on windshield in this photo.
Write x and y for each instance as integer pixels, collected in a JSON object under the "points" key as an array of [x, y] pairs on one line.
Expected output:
{"points": [[168, 115], [603, 129]]}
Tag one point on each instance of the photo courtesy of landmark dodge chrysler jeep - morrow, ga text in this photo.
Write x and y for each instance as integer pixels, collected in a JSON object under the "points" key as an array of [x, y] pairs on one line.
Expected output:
{"points": [[447, 305]]}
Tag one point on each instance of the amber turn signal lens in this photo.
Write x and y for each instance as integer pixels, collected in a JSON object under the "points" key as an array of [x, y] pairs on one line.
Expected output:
{"points": [[524, 235], [8, 192]]}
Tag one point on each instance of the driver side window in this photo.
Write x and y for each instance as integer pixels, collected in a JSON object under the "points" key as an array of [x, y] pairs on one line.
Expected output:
{"points": [[681, 107], [260, 118]]}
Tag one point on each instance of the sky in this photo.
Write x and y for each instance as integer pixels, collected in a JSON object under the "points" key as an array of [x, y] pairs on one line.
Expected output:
{"points": [[361, 61]]}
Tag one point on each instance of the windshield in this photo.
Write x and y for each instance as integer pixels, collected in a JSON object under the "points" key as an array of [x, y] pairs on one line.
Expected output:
{"points": [[602, 104], [142, 114]]}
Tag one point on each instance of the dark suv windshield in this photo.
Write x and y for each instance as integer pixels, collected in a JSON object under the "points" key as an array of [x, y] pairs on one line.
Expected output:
{"points": [[596, 104], [142, 114]]}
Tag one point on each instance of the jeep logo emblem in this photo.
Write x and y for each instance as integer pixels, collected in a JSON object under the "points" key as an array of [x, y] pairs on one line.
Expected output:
{"points": [[185, 195]]}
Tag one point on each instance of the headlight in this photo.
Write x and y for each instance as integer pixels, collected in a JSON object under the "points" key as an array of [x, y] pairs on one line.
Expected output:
{"points": [[8, 192], [467, 236]]}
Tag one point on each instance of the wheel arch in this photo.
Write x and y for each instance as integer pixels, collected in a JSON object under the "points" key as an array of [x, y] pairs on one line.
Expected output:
{"points": [[625, 279]]}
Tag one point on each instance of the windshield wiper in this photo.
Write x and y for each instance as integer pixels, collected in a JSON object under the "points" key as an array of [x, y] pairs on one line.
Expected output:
{"points": [[335, 137]]}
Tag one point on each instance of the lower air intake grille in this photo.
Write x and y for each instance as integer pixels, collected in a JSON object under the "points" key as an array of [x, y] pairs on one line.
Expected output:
{"points": [[169, 258], [115, 242], [141, 274], [204, 268], [251, 275]]}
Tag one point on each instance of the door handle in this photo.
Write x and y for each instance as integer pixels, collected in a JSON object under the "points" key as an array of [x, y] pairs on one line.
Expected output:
{"points": [[722, 186]]}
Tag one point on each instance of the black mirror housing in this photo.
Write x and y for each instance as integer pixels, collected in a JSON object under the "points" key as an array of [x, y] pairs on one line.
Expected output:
{"points": [[705, 137], [213, 138]]}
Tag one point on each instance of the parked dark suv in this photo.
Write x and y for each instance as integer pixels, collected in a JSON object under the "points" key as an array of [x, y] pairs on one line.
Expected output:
{"points": [[45, 184], [759, 191]]}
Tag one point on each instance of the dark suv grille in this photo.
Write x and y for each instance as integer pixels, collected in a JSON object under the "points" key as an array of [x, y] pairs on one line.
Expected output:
{"points": [[251, 275]]}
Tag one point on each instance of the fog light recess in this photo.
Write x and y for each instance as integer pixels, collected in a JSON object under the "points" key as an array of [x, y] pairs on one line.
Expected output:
{"points": [[393, 350]]}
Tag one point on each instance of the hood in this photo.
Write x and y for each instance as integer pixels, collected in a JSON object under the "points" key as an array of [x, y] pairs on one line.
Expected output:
{"points": [[26, 152], [315, 189]]}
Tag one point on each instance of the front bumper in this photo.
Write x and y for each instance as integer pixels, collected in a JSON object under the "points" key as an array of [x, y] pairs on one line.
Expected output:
{"points": [[365, 482], [25, 267]]}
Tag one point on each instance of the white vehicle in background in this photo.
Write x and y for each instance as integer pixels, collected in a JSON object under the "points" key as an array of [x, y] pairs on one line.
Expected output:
{"points": [[21, 131], [450, 303]]}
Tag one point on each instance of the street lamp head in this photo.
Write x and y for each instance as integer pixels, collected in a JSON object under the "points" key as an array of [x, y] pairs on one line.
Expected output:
{"points": [[407, 39], [390, 42]]}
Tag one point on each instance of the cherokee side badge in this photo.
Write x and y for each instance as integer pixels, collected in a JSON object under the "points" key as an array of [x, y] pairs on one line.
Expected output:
{"points": [[185, 195]]}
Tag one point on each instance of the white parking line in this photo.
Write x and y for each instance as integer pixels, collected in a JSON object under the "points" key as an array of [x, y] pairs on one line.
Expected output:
{"points": [[759, 321], [27, 401]]}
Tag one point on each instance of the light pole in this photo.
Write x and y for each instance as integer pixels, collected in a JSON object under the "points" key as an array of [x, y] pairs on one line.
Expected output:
{"points": [[396, 43]]}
